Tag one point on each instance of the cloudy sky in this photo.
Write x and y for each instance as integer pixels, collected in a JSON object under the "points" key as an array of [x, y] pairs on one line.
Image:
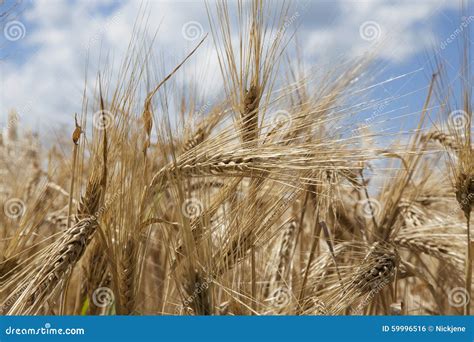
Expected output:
{"points": [[44, 46]]}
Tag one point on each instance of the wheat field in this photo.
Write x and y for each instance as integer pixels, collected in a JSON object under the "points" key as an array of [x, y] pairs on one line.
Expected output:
{"points": [[260, 203]]}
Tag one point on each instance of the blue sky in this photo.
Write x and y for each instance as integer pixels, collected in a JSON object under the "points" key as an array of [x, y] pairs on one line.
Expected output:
{"points": [[44, 45]]}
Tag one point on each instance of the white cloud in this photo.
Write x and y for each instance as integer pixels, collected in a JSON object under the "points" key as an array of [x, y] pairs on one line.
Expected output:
{"points": [[61, 32], [403, 28]]}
